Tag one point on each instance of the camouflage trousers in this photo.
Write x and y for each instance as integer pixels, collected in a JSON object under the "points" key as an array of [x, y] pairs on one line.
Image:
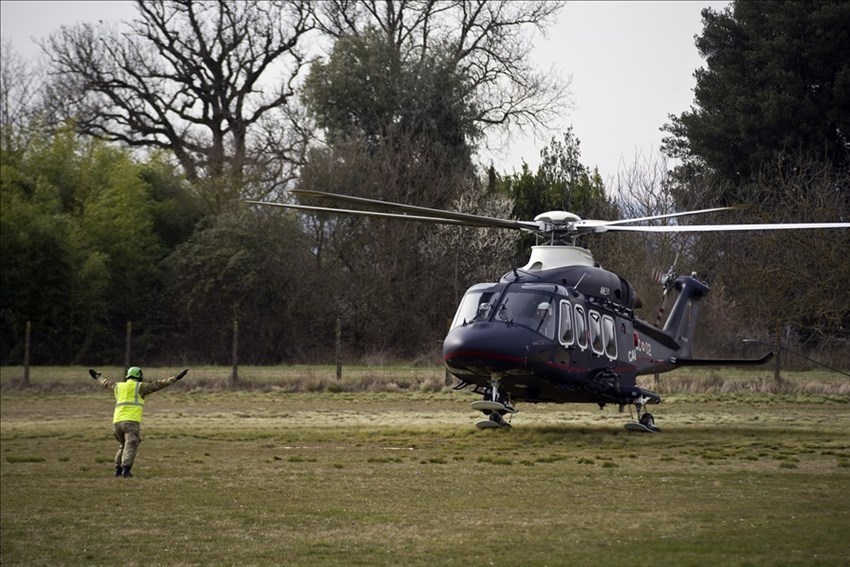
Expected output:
{"points": [[129, 435]]}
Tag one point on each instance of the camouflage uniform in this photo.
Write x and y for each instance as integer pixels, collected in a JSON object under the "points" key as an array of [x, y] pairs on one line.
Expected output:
{"points": [[129, 433]]}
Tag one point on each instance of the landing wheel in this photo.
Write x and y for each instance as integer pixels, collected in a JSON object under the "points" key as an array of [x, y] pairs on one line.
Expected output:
{"points": [[494, 421], [645, 422], [648, 421], [499, 420]]}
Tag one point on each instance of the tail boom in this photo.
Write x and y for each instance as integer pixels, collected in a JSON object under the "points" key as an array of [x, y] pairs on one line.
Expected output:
{"points": [[722, 361]]}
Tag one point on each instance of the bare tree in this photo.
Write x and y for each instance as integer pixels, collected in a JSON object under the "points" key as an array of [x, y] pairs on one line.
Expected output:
{"points": [[762, 282], [793, 278], [487, 42], [19, 82], [190, 76], [470, 255]]}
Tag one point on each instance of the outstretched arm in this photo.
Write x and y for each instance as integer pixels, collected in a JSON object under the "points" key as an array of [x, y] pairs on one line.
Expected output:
{"points": [[108, 384], [151, 387]]}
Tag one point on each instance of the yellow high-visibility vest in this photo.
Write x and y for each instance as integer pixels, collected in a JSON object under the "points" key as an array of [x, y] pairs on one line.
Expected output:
{"points": [[128, 403]]}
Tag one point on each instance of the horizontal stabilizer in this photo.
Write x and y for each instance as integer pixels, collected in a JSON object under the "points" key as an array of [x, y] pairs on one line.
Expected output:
{"points": [[722, 361]]}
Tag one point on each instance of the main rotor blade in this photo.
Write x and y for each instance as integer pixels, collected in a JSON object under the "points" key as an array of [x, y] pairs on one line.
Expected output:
{"points": [[668, 216], [375, 214], [727, 227], [439, 216], [463, 218]]}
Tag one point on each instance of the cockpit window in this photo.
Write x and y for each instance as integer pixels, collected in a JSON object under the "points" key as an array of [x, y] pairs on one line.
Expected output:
{"points": [[530, 309], [476, 306]]}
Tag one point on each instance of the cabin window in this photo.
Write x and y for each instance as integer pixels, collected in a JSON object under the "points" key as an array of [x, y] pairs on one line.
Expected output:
{"points": [[609, 337], [580, 327], [595, 327], [567, 334], [475, 306]]}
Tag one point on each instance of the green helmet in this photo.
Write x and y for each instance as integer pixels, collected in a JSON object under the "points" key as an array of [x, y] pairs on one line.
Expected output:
{"points": [[135, 373]]}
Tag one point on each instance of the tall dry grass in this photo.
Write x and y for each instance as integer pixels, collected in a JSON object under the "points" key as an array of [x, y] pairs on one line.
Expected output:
{"points": [[427, 379], [794, 384]]}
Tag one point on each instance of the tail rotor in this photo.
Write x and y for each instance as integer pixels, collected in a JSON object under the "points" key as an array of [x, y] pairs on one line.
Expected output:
{"points": [[667, 281]]}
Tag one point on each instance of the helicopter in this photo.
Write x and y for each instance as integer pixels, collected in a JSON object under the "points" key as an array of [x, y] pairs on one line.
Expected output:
{"points": [[562, 329]]}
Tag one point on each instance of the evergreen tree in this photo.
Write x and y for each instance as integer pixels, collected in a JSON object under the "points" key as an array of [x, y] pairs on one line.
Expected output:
{"points": [[776, 87]]}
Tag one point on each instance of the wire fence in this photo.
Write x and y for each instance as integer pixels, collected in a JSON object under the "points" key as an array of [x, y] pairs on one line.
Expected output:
{"points": [[30, 345]]}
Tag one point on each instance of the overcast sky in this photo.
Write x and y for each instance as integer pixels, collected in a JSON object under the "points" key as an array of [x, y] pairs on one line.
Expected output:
{"points": [[631, 65]]}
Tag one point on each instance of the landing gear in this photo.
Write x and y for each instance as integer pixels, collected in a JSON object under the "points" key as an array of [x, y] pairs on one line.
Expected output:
{"points": [[495, 406], [646, 421], [493, 422]]}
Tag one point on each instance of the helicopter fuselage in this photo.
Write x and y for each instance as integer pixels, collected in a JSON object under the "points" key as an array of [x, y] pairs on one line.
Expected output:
{"points": [[565, 334]]}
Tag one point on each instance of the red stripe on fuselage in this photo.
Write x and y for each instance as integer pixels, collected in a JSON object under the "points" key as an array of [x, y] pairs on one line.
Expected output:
{"points": [[490, 355]]}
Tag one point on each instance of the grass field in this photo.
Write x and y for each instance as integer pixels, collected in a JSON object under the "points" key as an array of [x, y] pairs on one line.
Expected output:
{"points": [[388, 469]]}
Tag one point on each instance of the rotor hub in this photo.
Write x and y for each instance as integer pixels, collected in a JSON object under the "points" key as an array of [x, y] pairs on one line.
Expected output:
{"points": [[558, 218]]}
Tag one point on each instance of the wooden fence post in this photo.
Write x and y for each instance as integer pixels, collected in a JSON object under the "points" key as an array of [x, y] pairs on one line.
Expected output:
{"points": [[338, 348], [234, 373], [27, 343]]}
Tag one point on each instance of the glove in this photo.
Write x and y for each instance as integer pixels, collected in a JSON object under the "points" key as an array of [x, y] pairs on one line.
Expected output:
{"points": [[182, 374], [94, 374]]}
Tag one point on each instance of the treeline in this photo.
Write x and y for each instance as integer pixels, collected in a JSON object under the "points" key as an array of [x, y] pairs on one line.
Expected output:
{"points": [[94, 238], [125, 167]]}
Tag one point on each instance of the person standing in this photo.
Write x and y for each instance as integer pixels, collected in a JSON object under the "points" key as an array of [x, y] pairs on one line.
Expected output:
{"points": [[127, 418]]}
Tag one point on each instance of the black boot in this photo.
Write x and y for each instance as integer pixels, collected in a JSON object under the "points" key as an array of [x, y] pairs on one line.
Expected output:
{"points": [[126, 472], [118, 470]]}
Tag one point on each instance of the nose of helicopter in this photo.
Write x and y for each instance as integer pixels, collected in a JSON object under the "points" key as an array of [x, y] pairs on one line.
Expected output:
{"points": [[486, 348]]}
